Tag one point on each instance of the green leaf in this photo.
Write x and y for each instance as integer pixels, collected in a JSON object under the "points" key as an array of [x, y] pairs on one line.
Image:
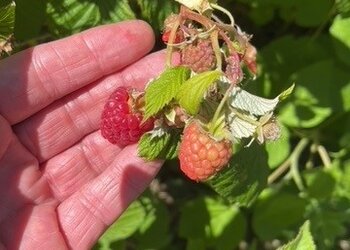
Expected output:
{"points": [[299, 12], [303, 241], [329, 220], [320, 184], [159, 147], [127, 224], [278, 150], [30, 17], [213, 223], [285, 94], [155, 11], [276, 212], [193, 90], [341, 38], [240, 128], [162, 90], [71, 16], [315, 99], [7, 19], [255, 105], [244, 178], [279, 64], [154, 231]]}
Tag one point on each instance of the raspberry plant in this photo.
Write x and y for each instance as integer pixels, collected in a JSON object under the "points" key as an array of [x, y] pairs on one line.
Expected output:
{"points": [[302, 175]]}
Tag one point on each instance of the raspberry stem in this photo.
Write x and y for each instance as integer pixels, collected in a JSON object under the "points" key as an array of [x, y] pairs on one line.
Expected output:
{"points": [[171, 41], [216, 47], [223, 10], [219, 109]]}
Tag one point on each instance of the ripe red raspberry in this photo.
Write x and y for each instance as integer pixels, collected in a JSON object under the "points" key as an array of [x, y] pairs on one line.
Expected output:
{"points": [[200, 155], [199, 57], [233, 69], [121, 119]]}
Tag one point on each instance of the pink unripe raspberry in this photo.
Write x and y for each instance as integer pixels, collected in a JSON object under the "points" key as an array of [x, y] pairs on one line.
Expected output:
{"points": [[201, 156], [199, 57]]}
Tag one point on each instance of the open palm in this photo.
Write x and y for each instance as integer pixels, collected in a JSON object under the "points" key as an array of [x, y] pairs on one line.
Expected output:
{"points": [[61, 184]]}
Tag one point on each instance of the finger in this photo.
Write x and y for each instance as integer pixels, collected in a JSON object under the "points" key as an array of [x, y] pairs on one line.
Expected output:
{"points": [[67, 172], [6, 135], [34, 78], [65, 122], [21, 180], [86, 214]]}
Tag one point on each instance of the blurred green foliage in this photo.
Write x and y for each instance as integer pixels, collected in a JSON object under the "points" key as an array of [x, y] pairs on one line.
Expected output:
{"points": [[303, 176]]}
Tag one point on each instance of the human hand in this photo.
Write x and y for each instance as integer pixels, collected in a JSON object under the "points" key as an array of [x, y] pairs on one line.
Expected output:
{"points": [[61, 183]]}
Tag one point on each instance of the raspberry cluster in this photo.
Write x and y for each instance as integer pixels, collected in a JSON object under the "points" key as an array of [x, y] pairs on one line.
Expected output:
{"points": [[209, 118]]}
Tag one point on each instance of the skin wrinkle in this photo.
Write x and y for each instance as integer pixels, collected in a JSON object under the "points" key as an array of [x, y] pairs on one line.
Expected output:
{"points": [[79, 227], [42, 75], [92, 52], [68, 180], [86, 157], [78, 114], [73, 154]]}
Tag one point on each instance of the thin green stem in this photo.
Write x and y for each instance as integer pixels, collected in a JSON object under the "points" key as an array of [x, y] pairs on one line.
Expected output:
{"points": [[214, 36], [218, 7], [291, 162], [279, 171], [294, 167], [222, 103], [324, 156], [324, 22]]}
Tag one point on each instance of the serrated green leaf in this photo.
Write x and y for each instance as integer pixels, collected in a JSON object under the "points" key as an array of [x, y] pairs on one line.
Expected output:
{"points": [[71, 16], [285, 94], [276, 212], [240, 128], [278, 64], [299, 11], [303, 241], [192, 92], [314, 98], [253, 104], [245, 176], [155, 11], [217, 224], [159, 147], [7, 19], [341, 38], [128, 223], [320, 184], [154, 231], [30, 18], [163, 90]]}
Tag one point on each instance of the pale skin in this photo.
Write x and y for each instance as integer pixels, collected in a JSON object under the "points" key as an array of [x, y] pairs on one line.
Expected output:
{"points": [[61, 183]]}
